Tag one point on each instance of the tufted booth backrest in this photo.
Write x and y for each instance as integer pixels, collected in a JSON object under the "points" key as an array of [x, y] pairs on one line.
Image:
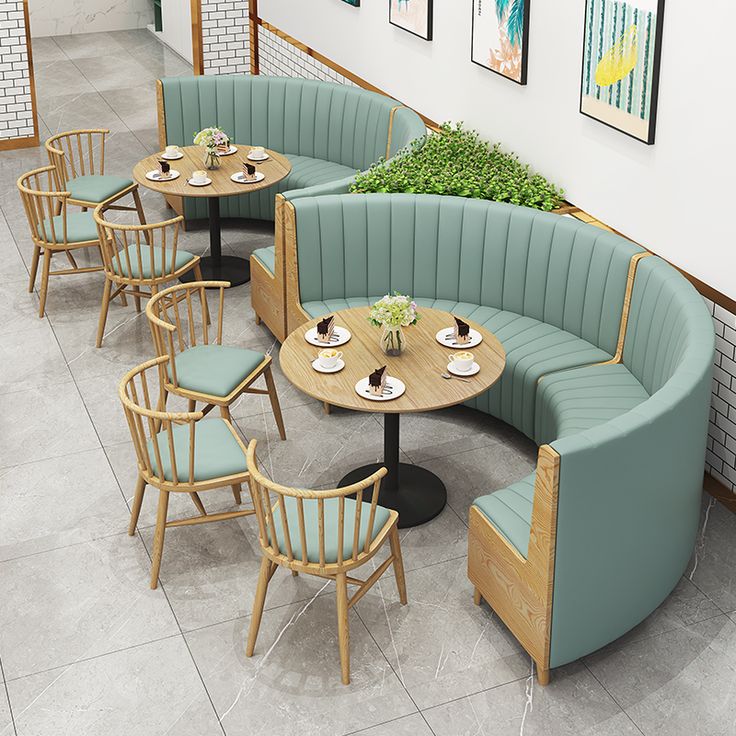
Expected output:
{"points": [[334, 122], [541, 265]]}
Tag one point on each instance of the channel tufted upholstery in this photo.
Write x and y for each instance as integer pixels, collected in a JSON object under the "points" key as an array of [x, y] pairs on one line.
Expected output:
{"points": [[328, 131], [609, 358]]}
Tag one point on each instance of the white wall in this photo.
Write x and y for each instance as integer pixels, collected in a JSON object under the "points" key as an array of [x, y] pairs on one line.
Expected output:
{"points": [[675, 197], [176, 21], [62, 17]]}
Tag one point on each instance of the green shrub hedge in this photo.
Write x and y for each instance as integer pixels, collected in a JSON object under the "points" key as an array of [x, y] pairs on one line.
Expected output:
{"points": [[458, 162]]}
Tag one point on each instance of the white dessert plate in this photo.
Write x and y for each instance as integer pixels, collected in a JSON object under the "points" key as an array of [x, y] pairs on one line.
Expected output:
{"points": [[230, 151], [253, 157], [455, 372], [204, 183], [335, 368], [156, 176], [238, 177], [340, 335], [175, 157], [446, 337], [392, 390]]}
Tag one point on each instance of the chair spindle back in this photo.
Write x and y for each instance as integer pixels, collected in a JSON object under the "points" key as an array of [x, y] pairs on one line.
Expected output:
{"points": [[42, 203], [77, 153]]}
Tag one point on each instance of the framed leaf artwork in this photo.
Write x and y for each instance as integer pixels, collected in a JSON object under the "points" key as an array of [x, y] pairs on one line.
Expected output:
{"points": [[414, 16], [500, 37], [354, 3], [622, 46]]}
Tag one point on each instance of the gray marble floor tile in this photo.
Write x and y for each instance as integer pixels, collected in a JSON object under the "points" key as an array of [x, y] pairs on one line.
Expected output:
{"points": [[148, 138], [85, 45], [679, 683], [114, 70], [210, 572], [292, 683], [148, 690], [46, 50], [44, 422], [413, 725], [14, 267], [448, 432], [574, 704], [79, 602], [468, 475], [79, 110], [18, 306], [39, 362], [134, 105], [56, 502], [712, 569], [440, 644], [61, 78]]}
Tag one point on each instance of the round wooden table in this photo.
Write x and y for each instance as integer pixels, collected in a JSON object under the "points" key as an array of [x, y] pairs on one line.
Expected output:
{"points": [[416, 493], [216, 266]]}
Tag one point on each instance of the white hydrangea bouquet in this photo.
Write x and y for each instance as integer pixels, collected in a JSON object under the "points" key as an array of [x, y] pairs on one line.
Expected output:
{"points": [[392, 312], [212, 140]]}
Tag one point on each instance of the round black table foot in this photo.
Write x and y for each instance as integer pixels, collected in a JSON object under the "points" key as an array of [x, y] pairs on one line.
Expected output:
{"points": [[225, 268], [420, 495]]}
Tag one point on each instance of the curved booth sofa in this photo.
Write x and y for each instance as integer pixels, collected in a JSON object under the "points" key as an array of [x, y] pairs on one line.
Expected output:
{"points": [[328, 132], [609, 353]]}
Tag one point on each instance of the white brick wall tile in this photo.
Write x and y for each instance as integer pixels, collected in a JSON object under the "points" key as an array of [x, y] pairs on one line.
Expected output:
{"points": [[16, 116]]}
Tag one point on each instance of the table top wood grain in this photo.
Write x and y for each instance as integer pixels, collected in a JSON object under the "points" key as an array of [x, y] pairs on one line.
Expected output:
{"points": [[276, 167], [420, 365]]}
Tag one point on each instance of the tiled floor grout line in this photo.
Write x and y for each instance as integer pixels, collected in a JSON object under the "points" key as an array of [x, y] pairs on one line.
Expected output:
{"points": [[7, 697], [610, 695]]}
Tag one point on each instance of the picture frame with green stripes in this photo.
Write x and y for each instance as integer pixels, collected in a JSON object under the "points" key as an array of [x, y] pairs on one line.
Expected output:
{"points": [[622, 48]]}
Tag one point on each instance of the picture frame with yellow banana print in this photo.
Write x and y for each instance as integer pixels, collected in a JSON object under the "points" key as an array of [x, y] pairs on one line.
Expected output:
{"points": [[622, 48]]}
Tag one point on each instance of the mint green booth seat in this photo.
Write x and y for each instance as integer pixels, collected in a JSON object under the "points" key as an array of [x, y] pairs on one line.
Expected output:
{"points": [[583, 549], [327, 131]]}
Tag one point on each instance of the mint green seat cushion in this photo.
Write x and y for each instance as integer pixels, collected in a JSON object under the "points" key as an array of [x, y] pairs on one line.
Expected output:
{"points": [[571, 401], [311, 523], [182, 258], [217, 453], [510, 511], [267, 258], [80, 227], [215, 369], [96, 188]]}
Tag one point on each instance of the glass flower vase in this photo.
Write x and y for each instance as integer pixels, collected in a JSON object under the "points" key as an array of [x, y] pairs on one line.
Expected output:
{"points": [[393, 341], [211, 159]]}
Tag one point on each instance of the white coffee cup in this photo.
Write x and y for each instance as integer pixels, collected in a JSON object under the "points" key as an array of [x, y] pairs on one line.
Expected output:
{"points": [[328, 357], [462, 361], [172, 150], [199, 176], [258, 152]]}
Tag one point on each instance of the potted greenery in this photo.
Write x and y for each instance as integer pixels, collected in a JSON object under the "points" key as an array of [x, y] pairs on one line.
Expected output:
{"points": [[456, 161]]}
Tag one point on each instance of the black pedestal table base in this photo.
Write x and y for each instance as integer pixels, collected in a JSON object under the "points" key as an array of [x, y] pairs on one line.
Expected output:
{"points": [[416, 493], [217, 267]]}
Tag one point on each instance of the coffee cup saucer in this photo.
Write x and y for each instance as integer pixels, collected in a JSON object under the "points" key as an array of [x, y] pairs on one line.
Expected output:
{"points": [[251, 156], [339, 365], [172, 157], [455, 372], [204, 183]]}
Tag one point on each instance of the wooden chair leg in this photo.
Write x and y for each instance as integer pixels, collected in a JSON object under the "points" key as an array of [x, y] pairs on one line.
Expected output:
{"points": [[141, 215], [123, 298], [158, 537], [135, 512], [225, 413], [104, 307], [44, 282], [476, 596], [343, 631], [34, 268], [326, 408], [542, 675], [202, 295], [137, 300], [198, 503], [258, 320], [260, 599], [395, 543], [192, 405], [275, 406]]}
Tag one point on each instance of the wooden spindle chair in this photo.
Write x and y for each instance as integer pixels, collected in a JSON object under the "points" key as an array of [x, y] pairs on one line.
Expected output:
{"points": [[203, 369], [53, 229], [177, 452], [323, 533], [79, 158], [139, 260]]}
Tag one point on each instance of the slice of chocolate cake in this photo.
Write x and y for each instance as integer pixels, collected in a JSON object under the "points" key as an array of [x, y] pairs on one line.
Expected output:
{"points": [[462, 331], [325, 328], [377, 381]]}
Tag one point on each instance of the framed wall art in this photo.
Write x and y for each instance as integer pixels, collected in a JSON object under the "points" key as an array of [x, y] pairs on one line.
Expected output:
{"points": [[414, 16], [500, 37], [622, 47], [354, 3]]}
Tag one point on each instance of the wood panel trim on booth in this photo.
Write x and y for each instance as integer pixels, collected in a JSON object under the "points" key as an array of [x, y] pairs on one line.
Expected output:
{"points": [[197, 43]]}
